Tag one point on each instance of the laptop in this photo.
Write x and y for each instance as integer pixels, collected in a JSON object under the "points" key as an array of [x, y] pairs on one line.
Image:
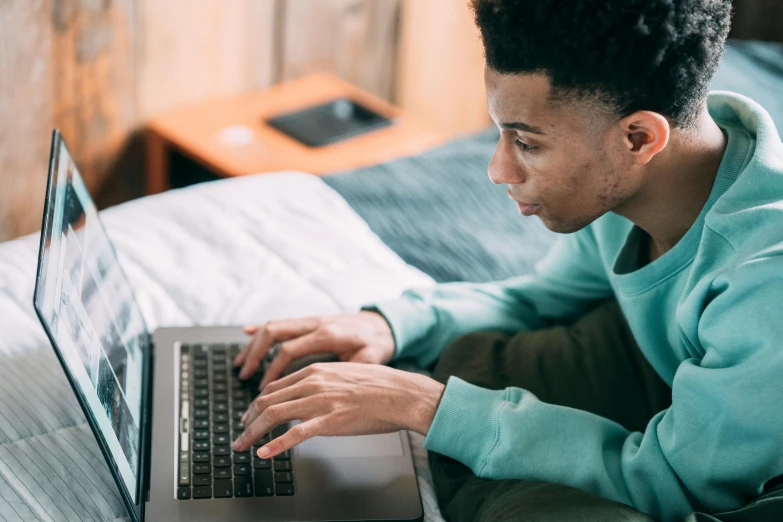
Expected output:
{"points": [[165, 406]]}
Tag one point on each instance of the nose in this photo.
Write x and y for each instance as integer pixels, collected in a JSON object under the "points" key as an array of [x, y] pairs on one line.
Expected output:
{"points": [[503, 168]]}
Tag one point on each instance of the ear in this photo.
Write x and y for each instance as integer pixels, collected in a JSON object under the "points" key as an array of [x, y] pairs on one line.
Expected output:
{"points": [[645, 134]]}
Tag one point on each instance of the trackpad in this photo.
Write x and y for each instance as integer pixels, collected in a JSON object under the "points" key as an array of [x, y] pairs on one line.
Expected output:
{"points": [[386, 445]]}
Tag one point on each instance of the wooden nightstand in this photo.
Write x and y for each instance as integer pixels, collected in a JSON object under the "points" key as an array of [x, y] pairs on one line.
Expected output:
{"points": [[229, 137]]}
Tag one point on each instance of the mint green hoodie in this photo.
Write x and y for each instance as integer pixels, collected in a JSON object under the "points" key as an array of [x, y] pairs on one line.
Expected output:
{"points": [[707, 314]]}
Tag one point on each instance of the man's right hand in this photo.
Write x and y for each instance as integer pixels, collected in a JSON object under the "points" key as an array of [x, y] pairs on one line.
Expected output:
{"points": [[364, 337]]}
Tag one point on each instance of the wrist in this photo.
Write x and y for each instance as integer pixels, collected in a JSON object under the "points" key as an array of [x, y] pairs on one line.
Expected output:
{"points": [[426, 394]]}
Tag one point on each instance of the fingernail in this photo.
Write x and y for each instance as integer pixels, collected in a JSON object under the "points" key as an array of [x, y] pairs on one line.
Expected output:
{"points": [[262, 385], [244, 418], [237, 443], [263, 452]]}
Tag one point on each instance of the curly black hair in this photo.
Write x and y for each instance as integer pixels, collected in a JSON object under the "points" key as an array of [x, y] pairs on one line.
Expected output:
{"points": [[656, 55]]}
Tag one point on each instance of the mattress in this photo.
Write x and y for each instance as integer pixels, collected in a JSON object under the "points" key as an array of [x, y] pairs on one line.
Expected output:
{"points": [[230, 252]]}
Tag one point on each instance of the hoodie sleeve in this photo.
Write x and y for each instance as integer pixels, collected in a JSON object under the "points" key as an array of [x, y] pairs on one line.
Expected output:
{"points": [[566, 282]]}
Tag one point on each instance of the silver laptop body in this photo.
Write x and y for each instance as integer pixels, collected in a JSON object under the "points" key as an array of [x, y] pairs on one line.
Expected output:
{"points": [[137, 391]]}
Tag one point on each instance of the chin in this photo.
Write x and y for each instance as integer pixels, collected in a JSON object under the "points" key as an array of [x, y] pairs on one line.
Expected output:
{"points": [[563, 226]]}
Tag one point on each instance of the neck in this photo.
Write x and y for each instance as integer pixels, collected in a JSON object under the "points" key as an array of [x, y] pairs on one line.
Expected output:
{"points": [[677, 185]]}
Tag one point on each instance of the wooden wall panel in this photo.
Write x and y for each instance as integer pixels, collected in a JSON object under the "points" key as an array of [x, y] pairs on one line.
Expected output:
{"points": [[758, 20], [25, 114], [355, 39], [192, 51], [440, 74], [92, 65]]}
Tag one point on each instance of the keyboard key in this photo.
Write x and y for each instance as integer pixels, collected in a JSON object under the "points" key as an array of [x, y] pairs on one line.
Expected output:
{"points": [[201, 413], [262, 440], [220, 387], [202, 480], [201, 393], [243, 486], [201, 403], [219, 407], [200, 373], [238, 425], [223, 488], [201, 424], [220, 428], [222, 462], [201, 383], [221, 451], [219, 378], [286, 455], [242, 469], [184, 474], [221, 438], [240, 404], [284, 490], [222, 473], [237, 415], [183, 493], [239, 395], [201, 445], [202, 492], [283, 476], [201, 435], [219, 367], [241, 458], [220, 397], [201, 456], [237, 385], [262, 463], [282, 465], [200, 469], [220, 417], [264, 485]]}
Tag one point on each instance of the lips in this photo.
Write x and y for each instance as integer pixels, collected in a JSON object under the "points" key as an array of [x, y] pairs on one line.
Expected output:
{"points": [[527, 210]]}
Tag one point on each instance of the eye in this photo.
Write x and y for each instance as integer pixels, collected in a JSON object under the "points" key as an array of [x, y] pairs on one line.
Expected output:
{"points": [[524, 146]]}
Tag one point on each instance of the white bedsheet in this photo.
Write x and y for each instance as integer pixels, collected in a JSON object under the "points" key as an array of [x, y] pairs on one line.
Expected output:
{"points": [[231, 252]]}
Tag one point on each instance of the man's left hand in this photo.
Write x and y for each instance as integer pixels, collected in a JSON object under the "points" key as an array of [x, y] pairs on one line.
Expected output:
{"points": [[340, 399]]}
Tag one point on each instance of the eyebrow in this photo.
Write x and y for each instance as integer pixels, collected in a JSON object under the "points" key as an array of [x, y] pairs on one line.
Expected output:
{"points": [[518, 125]]}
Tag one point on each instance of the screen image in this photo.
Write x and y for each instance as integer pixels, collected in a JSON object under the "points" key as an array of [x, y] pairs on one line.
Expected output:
{"points": [[88, 307]]}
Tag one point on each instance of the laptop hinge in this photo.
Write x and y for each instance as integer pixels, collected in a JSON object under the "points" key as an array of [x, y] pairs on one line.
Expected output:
{"points": [[148, 417]]}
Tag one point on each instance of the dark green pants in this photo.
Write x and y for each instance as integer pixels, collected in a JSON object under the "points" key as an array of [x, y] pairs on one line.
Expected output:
{"points": [[593, 365]]}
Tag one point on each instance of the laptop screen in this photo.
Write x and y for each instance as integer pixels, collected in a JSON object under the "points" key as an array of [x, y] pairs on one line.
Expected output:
{"points": [[86, 303]]}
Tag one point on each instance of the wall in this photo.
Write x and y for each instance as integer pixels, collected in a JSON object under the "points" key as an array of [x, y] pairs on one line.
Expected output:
{"points": [[97, 69]]}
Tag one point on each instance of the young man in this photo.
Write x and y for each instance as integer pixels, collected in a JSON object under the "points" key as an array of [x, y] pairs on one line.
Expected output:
{"points": [[639, 370]]}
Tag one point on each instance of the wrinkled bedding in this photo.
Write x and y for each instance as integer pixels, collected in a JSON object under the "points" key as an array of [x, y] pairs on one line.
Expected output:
{"points": [[230, 252]]}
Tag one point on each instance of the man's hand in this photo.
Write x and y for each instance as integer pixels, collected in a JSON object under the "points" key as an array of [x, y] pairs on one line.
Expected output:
{"points": [[364, 337], [340, 399]]}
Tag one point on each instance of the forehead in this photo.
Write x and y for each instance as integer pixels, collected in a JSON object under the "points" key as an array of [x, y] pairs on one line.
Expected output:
{"points": [[517, 94], [527, 98]]}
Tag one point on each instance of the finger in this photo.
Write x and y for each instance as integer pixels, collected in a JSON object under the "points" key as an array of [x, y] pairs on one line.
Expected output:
{"points": [[310, 344], [249, 330], [270, 418], [271, 334], [262, 402], [296, 435]]}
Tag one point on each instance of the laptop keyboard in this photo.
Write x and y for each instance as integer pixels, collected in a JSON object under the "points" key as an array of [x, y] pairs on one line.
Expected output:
{"points": [[212, 402]]}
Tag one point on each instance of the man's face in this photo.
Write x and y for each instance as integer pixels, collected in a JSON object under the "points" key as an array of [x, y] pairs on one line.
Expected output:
{"points": [[564, 159]]}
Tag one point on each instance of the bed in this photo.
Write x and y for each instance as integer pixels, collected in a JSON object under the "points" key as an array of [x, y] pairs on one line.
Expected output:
{"points": [[266, 247]]}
